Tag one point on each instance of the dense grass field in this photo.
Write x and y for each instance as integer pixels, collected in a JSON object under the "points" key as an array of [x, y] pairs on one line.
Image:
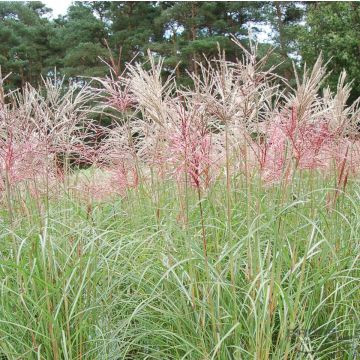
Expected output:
{"points": [[129, 279], [216, 222]]}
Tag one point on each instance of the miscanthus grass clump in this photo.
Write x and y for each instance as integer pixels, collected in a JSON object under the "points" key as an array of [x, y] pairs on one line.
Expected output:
{"points": [[220, 221], [127, 279]]}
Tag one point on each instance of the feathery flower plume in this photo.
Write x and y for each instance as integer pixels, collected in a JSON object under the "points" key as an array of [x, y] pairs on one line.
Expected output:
{"points": [[189, 146]]}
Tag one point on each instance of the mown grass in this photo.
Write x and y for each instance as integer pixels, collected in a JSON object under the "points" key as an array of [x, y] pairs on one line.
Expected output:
{"points": [[129, 279]]}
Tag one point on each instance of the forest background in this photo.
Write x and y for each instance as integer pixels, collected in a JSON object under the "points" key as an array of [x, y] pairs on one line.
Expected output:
{"points": [[33, 42]]}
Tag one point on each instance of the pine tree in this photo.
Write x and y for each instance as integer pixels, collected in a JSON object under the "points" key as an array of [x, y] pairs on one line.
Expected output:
{"points": [[24, 41], [80, 38]]}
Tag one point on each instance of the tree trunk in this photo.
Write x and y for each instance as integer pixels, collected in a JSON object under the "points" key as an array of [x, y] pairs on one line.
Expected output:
{"points": [[280, 27], [193, 36]]}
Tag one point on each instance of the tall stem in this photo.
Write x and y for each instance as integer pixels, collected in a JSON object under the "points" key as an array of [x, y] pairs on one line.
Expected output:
{"points": [[228, 183], [207, 269], [202, 226]]}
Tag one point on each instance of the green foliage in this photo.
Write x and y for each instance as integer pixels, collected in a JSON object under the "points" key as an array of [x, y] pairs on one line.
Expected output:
{"points": [[334, 29], [81, 41], [183, 32], [24, 45], [133, 26], [285, 19], [127, 278], [84, 60]]}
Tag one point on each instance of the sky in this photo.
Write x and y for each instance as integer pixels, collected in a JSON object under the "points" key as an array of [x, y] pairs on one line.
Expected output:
{"points": [[59, 6]]}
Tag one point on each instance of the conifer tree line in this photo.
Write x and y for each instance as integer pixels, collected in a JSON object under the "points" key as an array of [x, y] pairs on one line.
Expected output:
{"points": [[33, 44]]}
